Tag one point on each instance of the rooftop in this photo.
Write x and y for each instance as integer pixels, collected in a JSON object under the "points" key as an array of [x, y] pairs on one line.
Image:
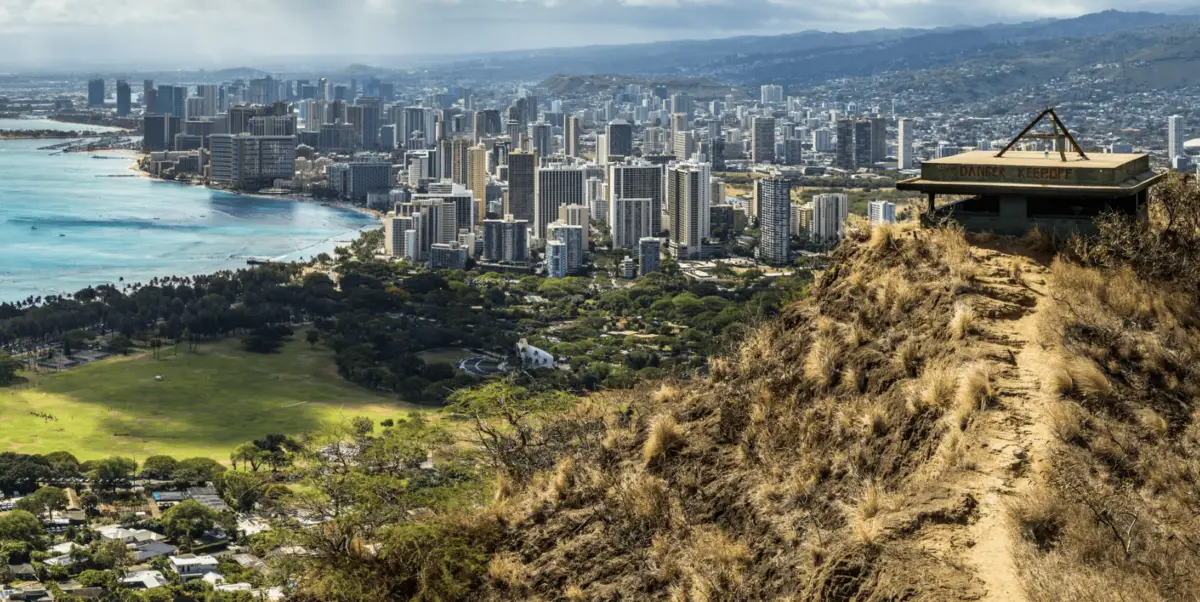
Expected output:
{"points": [[1024, 172]]}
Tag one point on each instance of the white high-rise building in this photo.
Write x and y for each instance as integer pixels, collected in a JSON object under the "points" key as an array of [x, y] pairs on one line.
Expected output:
{"points": [[771, 94], [556, 186], [830, 212], [1175, 136], [904, 144], [597, 199], [881, 212], [688, 201]]}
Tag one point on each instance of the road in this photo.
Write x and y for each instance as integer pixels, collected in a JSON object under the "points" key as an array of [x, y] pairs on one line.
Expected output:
{"points": [[480, 366]]}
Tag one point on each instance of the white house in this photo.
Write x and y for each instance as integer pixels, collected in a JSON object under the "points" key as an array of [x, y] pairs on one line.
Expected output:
{"points": [[190, 566], [119, 533]]}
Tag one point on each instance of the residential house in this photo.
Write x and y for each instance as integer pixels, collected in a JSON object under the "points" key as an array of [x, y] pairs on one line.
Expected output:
{"points": [[190, 566]]}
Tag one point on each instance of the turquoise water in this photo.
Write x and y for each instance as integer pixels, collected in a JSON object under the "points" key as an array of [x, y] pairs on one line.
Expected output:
{"points": [[67, 223]]}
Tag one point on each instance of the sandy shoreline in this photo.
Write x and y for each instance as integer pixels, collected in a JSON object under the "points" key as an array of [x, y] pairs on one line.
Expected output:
{"points": [[133, 166]]}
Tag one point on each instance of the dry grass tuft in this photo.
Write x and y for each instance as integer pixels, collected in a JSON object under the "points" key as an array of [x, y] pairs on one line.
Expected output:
{"points": [[574, 593], [1067, 421], [975, 393], [907, 358], [820, 365], [883, 236], [936, 387], [507, 569], [1038, 241], [664, 434], [720, 369], [1016, 271], [1089, 380], [667, 393], [875, 420], [564, 479], [714, 565], [504, 488], [872, 502], [962, 322]]}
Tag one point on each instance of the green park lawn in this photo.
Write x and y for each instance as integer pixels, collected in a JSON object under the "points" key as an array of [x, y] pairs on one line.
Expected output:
{"points": [[208, 402], [447, 355]]}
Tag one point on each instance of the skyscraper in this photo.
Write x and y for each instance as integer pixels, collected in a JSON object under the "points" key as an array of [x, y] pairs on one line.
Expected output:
{"points": [[878, 140], [904, 142], [619, 137], [574, 238], [572, 127], [775, 212], [556, 187], [245, 161], [863, 156], [829, 217], [95, 93], [688, 192], [506, 240], [844, 147], [149, 96], [649, 255], [542, 137], [642, 182], [762, 144], [522, 168], [124, 99], [477, 179], [1175, 136], [372, 113], [684, 146], [771, 94]]}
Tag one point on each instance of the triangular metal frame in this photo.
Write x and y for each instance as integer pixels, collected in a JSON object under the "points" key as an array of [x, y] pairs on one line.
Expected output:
{"points": [[1060, 132]]}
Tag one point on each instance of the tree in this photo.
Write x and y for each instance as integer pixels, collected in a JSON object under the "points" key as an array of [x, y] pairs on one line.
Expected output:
{"points": [[197, 470], [240, 489], [20, 525], [43, 501], [9, 366], [249, 455], [120, 344], [159, 467], [312, 336], [110, 554], [506, 420], [188, 520], [110, 473], [94, 578]]}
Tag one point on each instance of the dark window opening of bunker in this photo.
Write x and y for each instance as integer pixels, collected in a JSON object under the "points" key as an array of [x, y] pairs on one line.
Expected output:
{"points": [[1052, 206]]}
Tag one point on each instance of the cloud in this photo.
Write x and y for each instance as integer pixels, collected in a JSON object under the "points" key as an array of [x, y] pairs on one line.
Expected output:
{"points": [[215, 33]]}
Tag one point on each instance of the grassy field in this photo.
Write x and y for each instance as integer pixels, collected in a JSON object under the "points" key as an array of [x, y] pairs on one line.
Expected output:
{"points": [[448, 355], [207, 403]]}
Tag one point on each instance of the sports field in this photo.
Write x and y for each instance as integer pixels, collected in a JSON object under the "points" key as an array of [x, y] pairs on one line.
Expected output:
{"points": [[207, 403]]}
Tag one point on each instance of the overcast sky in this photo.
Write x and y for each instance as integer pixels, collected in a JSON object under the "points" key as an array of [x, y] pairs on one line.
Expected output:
{"points": [[225, 33]]}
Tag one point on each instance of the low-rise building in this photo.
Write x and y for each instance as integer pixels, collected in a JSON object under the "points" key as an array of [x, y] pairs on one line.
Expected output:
{"points": [[190, 566]]}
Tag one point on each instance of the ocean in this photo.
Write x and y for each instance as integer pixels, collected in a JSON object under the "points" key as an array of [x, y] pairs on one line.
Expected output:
{"points": [[68, 221]]}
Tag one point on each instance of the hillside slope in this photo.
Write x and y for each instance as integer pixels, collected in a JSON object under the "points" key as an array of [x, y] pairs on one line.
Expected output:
{"points": [[859, 447], [939, 421]]}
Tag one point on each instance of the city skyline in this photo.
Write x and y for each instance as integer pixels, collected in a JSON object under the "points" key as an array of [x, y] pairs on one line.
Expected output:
{"points": [[66, 34]]}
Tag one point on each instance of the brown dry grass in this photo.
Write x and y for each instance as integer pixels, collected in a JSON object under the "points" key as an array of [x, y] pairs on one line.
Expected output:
{"points": [[1114, 515], [664, 434], [750, 485]]}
